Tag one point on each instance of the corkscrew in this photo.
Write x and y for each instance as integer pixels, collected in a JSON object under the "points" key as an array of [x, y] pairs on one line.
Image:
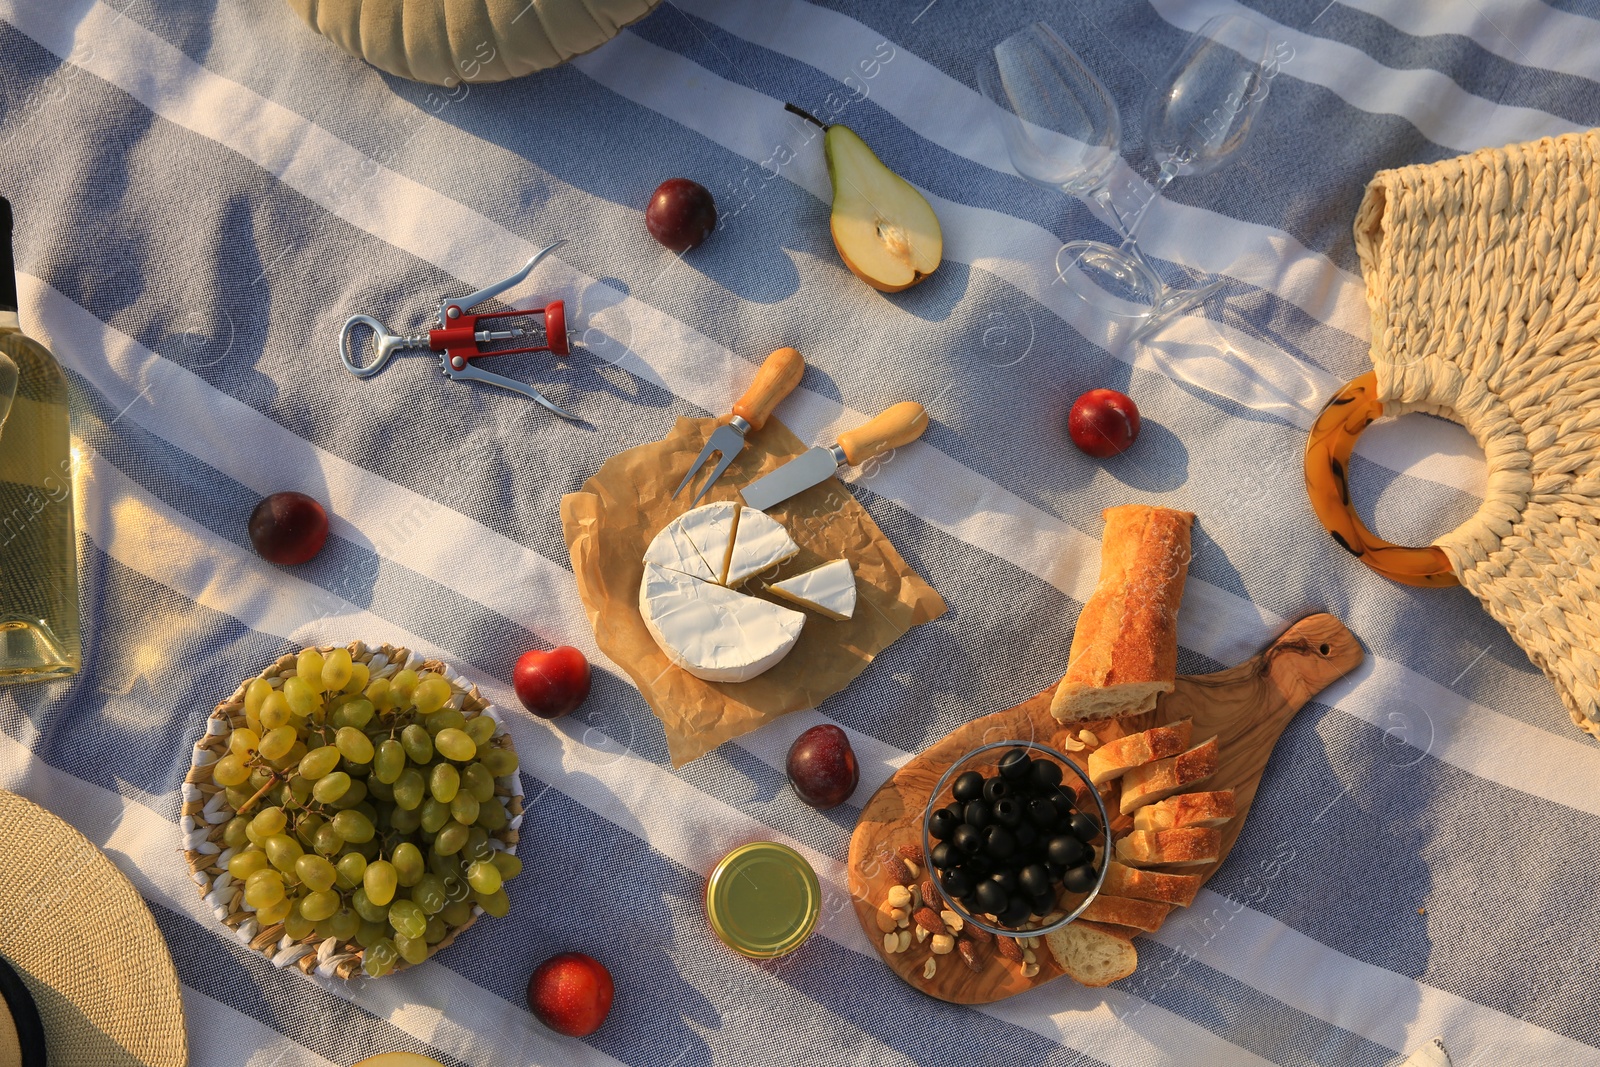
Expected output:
{"points": [[458, 337]]}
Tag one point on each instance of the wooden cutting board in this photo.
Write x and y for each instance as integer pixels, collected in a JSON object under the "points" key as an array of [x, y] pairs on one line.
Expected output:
{"points": [[1245, 707]]}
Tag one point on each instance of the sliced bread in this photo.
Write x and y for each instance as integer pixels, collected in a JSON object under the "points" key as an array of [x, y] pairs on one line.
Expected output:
{"points": [[1146, 915], [1187, 809], [1189, 847], [1125, 881], [1116, 758], [1125, 647], [1159, 780], [1092, 954]]}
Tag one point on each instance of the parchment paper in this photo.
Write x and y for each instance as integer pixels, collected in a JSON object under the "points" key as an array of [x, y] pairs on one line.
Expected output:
{"points": [[609, 523]]}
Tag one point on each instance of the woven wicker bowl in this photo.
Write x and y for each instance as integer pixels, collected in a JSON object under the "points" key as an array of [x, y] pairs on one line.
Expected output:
{"points": [[206, 812]]}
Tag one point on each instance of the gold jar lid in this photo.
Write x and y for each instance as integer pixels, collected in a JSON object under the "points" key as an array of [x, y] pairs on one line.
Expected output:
{"points": [[763, 899]]}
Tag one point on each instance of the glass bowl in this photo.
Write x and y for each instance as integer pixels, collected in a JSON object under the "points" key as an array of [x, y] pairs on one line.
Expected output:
{"points": [[986, 762]]}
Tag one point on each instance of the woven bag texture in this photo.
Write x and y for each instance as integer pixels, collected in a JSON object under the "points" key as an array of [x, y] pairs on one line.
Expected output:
{"points": [[1486, 310], [76, 930]]}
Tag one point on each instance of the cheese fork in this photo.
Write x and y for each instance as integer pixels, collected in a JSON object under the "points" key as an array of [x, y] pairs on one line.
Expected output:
{"points": [[780, 372]]}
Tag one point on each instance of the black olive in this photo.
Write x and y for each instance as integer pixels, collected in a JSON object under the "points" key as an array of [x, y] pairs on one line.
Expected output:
{"points": [[945, 855], [941, 824], [1065, 800], [970, 902], [1046, 774], [1043, 812], [1016, 912], [1014, 765], [1006, 880], [991, 898], [978, 865], [1043, 905], [1027, 835], [1035, 880], [977, 814], [1080, 879], [1084, 828], [995, 788], [969, 786], [1066, 850], [1007, 811], [1056, 870], [967, 839], [998, 842], [956, 882]]}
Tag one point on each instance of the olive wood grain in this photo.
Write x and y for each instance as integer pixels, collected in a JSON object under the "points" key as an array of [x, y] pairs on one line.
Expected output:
{"points": [[1246, 707]]}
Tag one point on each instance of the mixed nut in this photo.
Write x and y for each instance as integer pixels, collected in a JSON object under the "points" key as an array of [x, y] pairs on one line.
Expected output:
{"points": [[907, 916]]}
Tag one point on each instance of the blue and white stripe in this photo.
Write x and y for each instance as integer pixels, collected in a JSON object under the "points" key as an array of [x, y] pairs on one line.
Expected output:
{"points": [[205, 190]]}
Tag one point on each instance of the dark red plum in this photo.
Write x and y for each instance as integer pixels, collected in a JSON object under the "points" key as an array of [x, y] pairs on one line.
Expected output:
{"points": [[822, 766], [681, 214], [288, 528]]}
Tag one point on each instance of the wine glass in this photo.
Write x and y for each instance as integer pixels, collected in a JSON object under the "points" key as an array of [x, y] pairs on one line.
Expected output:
{"points": [[1061, 131]]}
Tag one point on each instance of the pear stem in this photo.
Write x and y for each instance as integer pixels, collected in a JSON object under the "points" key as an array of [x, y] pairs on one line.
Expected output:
{"points": [[808, 116]]}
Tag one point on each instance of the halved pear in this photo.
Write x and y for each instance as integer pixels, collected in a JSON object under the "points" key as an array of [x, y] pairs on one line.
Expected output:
{"points": [[885, 231]]}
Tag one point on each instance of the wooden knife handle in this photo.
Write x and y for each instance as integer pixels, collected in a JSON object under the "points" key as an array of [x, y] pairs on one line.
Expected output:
{"points": [[779, 374], [897, 425]]}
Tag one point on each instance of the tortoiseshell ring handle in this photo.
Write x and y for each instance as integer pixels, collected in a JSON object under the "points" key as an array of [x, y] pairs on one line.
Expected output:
{"points": [[1333, 438]]}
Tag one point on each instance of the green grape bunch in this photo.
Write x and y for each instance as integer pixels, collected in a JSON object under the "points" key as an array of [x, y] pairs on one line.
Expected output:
{"points": [[365, 809]]}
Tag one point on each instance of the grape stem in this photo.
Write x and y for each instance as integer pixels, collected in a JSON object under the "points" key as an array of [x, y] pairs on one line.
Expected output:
{"points": [[247, 805]]}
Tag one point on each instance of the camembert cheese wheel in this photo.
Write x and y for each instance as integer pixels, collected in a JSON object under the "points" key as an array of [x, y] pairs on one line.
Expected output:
{"points": [[711, 631]]}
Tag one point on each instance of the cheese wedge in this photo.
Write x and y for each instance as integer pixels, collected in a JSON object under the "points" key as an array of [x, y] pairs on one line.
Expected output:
{"points": [[710, 530], [672, 549], [712, 632], [759, 542], [828, 590]]}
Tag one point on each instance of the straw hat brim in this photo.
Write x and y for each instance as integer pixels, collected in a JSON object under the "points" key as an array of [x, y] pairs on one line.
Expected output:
{"points": [[85, 946]]}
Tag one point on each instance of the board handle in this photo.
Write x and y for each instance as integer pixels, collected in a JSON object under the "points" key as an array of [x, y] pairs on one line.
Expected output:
{"points": [[1310, 656]]}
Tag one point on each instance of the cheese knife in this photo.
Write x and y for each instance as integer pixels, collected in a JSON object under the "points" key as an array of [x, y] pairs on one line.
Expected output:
{"points": [[780, 372], [897, 425]]}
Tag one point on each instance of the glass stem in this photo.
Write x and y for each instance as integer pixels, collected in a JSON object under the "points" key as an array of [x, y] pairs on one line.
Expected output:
{"points": [[1102, 196], [1169, 170]]}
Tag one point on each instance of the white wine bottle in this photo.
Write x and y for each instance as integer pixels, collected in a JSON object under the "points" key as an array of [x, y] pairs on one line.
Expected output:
{"points": [[39, 636]]}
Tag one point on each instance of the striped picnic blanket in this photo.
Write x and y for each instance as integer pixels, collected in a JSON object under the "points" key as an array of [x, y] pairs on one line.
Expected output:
{"points": [[205, 190]]}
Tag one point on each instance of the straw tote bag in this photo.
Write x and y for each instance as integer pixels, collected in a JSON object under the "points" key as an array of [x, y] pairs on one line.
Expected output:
{"points": [[445, 42], [1485, 301]]}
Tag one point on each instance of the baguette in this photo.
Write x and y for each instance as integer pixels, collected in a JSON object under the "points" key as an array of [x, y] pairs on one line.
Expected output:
{"points": [[1189, 847], [1124, 881], [1187, 809], [1125, 648], [1146, 915], [1118, 757], [1092, 954], [1159, 780]]}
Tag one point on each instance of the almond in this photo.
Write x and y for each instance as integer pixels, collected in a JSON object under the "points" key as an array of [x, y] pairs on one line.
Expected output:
{"points": [[930, 922], [977, 933], [929, 893], [895, 868], [1008, 947], [911, 852], [969, 955]]}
